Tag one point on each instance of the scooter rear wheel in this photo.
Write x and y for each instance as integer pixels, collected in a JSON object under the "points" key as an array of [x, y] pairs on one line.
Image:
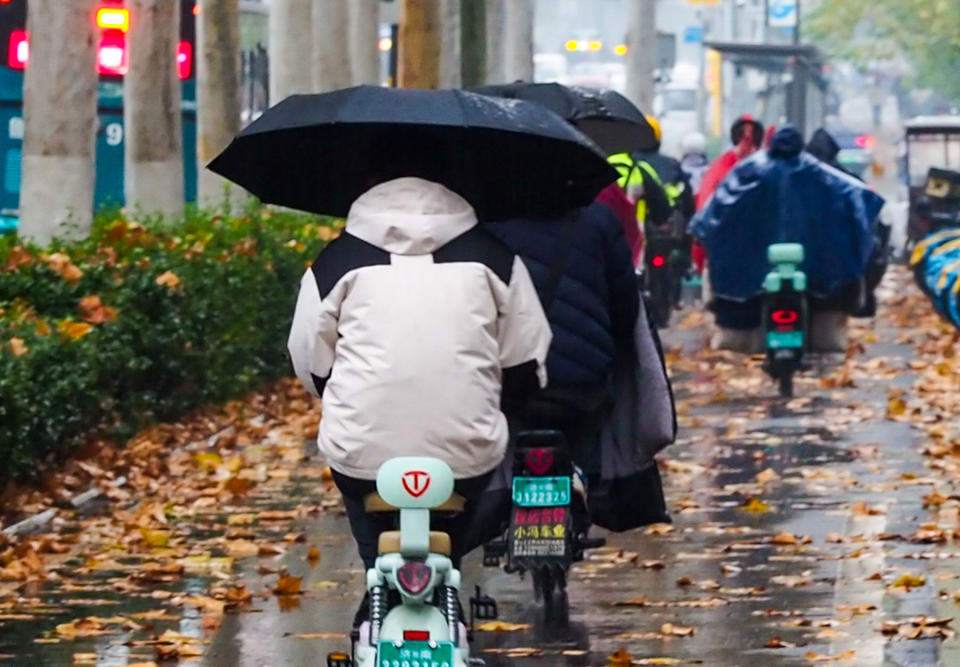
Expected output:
{"points": [[785, 382], [550, 588]]}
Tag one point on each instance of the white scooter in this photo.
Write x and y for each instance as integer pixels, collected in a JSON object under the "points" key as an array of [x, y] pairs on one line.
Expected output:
{"points": [[424, 630]]}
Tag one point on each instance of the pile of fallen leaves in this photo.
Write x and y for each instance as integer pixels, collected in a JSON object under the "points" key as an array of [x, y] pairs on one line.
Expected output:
{"points": [[182, 501], [143, 321]]}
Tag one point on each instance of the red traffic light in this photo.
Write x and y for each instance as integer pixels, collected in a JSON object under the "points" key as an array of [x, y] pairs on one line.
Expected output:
{"points": [[18, 52], [658, 261]]}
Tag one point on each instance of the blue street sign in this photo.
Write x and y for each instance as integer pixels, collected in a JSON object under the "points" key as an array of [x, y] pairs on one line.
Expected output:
{"points": [[693, 35], [783, 13]]}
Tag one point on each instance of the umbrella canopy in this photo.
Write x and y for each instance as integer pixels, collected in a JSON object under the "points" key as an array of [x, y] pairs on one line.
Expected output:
{"points": [[606, 116], [509, 159]]}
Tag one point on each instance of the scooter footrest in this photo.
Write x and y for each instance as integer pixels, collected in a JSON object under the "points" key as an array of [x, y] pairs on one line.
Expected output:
{"points": [[593, 543], [484, 607]]}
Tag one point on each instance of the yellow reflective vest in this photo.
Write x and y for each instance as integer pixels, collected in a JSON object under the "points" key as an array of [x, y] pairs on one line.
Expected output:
{"points": [[633, 172]]}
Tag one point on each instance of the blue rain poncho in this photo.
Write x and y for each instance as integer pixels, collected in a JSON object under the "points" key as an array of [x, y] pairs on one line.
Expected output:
{"points": [[785, 195], [936, 265]]}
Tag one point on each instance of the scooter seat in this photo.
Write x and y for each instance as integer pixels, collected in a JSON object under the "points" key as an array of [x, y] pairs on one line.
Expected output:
{"points": [[373, 502], [389, 543]]}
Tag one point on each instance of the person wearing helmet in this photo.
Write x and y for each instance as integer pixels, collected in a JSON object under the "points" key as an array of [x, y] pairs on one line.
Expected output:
{"points": [[693, 158], [671, 175], [747, 137]]}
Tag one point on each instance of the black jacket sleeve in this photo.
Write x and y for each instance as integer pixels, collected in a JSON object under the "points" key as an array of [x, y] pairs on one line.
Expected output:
{"points": [[687, 204]]}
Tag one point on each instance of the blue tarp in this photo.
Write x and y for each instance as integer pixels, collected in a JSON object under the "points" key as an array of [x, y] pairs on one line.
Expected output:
{"points": [[785, 195], [936, 264]]}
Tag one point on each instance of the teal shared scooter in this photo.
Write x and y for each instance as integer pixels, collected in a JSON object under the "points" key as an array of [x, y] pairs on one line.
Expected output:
{"points": [[415, 576], [785, 314]]}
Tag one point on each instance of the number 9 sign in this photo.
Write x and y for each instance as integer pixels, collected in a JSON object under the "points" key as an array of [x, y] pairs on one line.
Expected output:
{"points": [[114, 132]]}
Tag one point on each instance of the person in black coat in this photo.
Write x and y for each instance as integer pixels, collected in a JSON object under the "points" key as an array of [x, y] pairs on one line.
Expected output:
{"points": [[592, 314]]}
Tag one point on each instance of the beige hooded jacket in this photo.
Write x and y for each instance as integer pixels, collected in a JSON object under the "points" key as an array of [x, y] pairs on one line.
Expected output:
{"points": [[408, 326]]}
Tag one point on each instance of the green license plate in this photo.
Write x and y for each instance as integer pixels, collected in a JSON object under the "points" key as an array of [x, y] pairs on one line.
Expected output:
{"points": [[541, 491], [778, 340], [415, 654]]}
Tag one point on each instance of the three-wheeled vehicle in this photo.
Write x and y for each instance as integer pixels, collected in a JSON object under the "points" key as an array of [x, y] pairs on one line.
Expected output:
{"points": [[933, 142]]}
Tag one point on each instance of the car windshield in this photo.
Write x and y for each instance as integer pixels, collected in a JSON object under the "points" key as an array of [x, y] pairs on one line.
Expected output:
{"points": [[932, 150]]}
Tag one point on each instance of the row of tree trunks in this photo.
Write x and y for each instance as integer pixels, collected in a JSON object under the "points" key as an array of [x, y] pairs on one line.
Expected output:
{"points": [[314, 45]]}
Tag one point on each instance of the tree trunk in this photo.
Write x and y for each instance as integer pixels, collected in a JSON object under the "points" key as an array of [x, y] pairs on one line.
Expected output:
{"points": [[218, 91], [60, 117], [364, 36], [331, 21], [420, 32], [496, 15], [450, 57], [153, 145], [291, 46], [518, 40], [642, 53], [473, 42]]}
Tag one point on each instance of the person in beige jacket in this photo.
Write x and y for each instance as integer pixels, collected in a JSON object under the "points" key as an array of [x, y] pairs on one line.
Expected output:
{"points": [[414, 326]]}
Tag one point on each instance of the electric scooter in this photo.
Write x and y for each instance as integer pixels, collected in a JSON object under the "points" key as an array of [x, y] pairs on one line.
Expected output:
{"points": [[661, 281], [785, 314], [414, 566], [548, 521]]}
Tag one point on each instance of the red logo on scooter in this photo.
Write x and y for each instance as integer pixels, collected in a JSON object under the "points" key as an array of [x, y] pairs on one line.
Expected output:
{"points": [[539, 461], [416, 482]]}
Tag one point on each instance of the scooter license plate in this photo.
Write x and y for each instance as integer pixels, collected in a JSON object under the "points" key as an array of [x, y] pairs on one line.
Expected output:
{"points": [[541, 491], [778, 340], [416, 653]]}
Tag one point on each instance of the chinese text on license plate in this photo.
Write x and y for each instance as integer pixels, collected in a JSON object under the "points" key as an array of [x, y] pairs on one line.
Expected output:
{"points": [[541, 491], [415, 653]]}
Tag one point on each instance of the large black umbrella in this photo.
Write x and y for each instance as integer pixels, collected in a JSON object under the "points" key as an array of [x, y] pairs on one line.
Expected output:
{"points": [[508, 158], [606, 116]]}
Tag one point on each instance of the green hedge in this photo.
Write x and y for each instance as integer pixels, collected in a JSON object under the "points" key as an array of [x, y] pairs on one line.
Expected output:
{"points": [[189, 312]]}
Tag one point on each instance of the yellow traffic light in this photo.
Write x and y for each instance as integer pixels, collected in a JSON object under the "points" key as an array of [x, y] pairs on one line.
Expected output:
{"points": [[572, 45], [620, 49]]}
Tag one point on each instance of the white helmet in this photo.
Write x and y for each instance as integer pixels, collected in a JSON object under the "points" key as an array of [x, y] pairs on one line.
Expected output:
{"points": [[694, 142]]}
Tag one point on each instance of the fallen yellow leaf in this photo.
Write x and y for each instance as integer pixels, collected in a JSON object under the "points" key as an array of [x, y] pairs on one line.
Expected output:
{"points": [[501, 626]]}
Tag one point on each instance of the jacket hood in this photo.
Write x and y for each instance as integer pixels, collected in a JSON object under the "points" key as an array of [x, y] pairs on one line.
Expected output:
{"points": [[787, 142], [409, 216], [823, 147]]}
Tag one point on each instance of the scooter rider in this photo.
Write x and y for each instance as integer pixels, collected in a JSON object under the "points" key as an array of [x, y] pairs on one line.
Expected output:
{"points": [[674, 179], [413, 326], [693, 159], [585, 276]]}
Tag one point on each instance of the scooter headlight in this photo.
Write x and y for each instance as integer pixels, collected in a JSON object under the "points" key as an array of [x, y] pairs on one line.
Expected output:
{"points": [[414, 577]]}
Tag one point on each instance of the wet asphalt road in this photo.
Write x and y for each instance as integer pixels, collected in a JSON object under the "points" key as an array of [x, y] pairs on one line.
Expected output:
{"points": [[842, 475], [831, 450]]}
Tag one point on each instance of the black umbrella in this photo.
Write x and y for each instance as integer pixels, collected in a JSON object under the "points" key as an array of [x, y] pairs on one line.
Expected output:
{"points": [[509, 159], [606, 116]]}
